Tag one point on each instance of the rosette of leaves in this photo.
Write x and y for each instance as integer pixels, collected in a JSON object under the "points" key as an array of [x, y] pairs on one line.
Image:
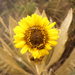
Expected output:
{"points": [[14, 63]]}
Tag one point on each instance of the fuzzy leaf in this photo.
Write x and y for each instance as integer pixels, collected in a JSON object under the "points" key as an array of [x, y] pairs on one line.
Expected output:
{"points": [[73, 72], [6, 68], [51, 72], [5, 49], [48, 57], [12, 25], [39, 67], [37, 11], [10, 60], [68, 65], [60, 47], [44, 14]]}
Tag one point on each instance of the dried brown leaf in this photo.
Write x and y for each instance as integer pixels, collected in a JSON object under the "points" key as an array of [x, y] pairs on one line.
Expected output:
{"points": [[60, 47], [48, 57], [12, 25], [68, 65]]}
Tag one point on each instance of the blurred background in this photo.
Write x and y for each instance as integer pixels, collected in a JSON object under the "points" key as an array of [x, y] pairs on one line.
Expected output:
{"points": [[56, 9]]}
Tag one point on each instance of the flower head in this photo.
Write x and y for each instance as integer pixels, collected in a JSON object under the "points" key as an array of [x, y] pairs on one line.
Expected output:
{"points": [[36, 35]]}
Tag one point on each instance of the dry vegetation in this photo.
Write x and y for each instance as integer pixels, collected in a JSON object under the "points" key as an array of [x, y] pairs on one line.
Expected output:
{"points": [[57, 9]]}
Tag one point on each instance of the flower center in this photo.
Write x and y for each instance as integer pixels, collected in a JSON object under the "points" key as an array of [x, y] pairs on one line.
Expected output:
{"points": [[36, 38]]}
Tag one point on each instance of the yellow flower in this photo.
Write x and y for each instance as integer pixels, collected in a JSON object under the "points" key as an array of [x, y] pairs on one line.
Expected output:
{"points": [[36, 35]]}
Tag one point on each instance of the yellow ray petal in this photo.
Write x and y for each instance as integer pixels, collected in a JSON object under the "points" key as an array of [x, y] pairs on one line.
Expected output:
{"points": [[18, 29], [24, 25], [29, 21], [53, 38], [43, 52], [53, 43], [24, 49], [47, 46], [53, 32], [50, 26], [17, 40], [35, 54], [38, 20], [34, 16], [19, 35], [45, 22], [20, 44]]}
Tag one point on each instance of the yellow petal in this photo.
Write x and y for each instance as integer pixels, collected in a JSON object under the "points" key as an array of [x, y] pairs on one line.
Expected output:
{"points": [[43, 52], [24, 25], [53, 38], [20, 35], [24, 49], [53, 32], [53, 43], [18, 29], [47, 46], [38, 20], [34, 18], [29, 21], [50, 26], [45, 22], [18, 39], [20, 44], [35, 54]]}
